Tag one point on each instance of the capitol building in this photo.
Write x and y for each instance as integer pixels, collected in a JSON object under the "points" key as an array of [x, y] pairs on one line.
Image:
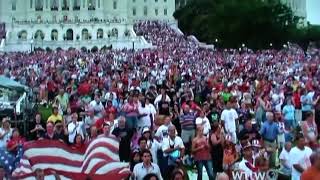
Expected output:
{"points": [[31, 24]]}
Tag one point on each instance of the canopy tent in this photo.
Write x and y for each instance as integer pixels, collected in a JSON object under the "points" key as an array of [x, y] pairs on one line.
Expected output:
{"points": [[6, 82]]}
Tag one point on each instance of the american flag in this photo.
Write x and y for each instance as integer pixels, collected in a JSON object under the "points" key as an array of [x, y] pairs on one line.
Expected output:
{"points": [[99, 161]]}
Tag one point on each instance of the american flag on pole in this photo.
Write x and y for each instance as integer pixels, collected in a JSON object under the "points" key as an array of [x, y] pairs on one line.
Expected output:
{"points": [[99, 161]]}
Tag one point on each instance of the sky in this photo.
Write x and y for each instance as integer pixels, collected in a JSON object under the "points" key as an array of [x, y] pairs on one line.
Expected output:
{"points": [[313, 11]]}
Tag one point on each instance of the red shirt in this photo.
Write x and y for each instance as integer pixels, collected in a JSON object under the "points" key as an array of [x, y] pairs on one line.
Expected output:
{"points": [[84, 88], [12, 142]]}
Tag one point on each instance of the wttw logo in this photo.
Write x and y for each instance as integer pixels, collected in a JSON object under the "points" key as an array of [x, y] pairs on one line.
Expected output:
{"points": [[269, 175]]}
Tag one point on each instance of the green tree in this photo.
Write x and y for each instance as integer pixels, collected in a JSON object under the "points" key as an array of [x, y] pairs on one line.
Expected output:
{"points": [[255, 23]]}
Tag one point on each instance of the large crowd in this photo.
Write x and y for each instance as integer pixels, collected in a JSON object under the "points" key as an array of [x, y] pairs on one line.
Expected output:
{"points": [[178, 107]]}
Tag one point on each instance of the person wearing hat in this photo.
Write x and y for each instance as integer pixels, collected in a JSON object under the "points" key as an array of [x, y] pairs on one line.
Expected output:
{"points": [[246, 165], [152, 144], [5, 132]]}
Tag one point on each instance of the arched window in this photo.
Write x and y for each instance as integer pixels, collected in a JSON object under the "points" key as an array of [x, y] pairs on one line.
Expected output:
{"points": [[114, 32], [76, 5], [145, 11], [115, 5], [69, 36], [100, 34], [85, 34], [39, 35], [54, 35], [54, 5], [65, 5], [22, 35], [91, 4], [39, 5]]}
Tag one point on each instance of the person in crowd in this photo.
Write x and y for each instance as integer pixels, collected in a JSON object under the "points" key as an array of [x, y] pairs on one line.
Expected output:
{"points": [[299, 158], [124, 135], [229, 118], [288, 112], [75, 128], [203, 121], [313, 172], [38, 129], [151, 176], [269, 132], [173, 149], [55, 116], [78, 143], [134, 159], [187, 121], [249, 130], [216, 142], [131, 113], [5, 133], [140, 170], [15, 140], [146, 115], [152, 144], [93, 134], [310, 130], [201, 154], [230, 154], [97, 105], [246, 165], [285, 168], [162, 131]]}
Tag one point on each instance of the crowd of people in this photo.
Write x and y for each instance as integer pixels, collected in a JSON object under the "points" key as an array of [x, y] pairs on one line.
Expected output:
{"points": [[178, 107]]}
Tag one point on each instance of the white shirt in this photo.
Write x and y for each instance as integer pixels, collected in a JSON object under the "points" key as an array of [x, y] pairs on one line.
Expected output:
{"points": [[97, 107], [140, 171], [73, 132], [154, 146], [206, 124], [162, 132], [6, 138], [301, 157], [244, 168], [229, 117], [145, 120], [284, 155], [167, 142]]}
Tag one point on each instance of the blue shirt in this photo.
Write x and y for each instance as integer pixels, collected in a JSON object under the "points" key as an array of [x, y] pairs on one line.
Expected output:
{"points": [[269, 131], [288, 111]]}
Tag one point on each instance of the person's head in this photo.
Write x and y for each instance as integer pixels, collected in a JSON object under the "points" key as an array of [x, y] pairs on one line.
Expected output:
{"points": [[61, 91], [15, 133], [136, 156], [39, 173], [38, 118], [315, 159], [49, 127], [93, 131], [186, 109], [248, 124], [151, 176], [216, 128], [309, 116], [106, 128], [74, 117], [146, 156], [229, 104], [223, 176], [78, 139], [146, 133], [177, 174], [5, 123], [202, 114], [97, 97], [55, 110], [300, 141], [247, 151], [288, 146], [172, 131], [270, 116], [200, 131], [289, 101], [142, 143], [167, 120], [122, 122]]}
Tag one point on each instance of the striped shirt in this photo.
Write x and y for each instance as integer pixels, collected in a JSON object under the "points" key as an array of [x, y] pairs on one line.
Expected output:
{"points": [[187, 121]]}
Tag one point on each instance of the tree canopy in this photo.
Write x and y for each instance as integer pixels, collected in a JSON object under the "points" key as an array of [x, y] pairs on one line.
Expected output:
{"points": [[231, 23]]}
